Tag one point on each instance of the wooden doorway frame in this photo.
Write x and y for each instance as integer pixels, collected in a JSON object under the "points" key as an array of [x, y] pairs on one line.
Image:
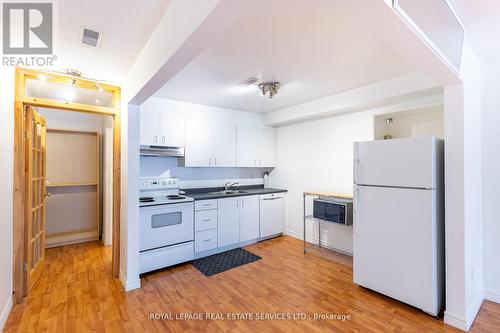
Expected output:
{"points": [[20, 101]]}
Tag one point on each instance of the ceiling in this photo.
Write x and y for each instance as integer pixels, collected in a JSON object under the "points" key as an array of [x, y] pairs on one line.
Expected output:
{"points": [[314, 48], [482, 22], [125, 24]]}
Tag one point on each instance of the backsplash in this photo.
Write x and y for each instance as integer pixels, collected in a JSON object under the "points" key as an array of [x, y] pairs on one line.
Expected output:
{"points": [[157, 166]]}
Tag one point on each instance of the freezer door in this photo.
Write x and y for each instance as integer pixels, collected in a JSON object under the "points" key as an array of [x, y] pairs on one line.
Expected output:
{"points": [[399, 162], [396, 247]]}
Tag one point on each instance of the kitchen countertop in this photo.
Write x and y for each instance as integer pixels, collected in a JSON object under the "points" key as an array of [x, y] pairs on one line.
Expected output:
{"points": [[207, 193]]}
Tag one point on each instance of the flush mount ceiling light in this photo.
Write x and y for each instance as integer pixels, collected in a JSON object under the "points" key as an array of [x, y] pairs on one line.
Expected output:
{"points": [[270, 88]]}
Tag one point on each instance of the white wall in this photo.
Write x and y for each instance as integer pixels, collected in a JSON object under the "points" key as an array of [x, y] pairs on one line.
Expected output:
{"points": [[422, 122], [317, 156], [6, 188], [491, 180], [198, 111], [462, 111], [74, 121], [129, 215]]}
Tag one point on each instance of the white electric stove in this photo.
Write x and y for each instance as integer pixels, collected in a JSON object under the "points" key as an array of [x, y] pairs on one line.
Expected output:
{"points": [[166, 224], [155, 191]]}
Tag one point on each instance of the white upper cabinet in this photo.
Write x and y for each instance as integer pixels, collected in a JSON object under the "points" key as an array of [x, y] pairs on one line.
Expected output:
{"points": [[256, 147], [198, 144], [171, 130], [210, 144], [158, 128], [149, 128], [246, 152], [267, 147]]}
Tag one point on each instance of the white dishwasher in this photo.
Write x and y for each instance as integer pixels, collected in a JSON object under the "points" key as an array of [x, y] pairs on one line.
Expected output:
{"points": [[272, 215]]}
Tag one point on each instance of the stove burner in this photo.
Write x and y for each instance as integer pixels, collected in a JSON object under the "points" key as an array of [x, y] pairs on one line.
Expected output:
{"points": [[175, 197], [146, 199]]}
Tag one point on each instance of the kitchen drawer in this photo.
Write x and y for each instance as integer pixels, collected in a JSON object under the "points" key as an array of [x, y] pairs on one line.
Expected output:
{"points": [[205, 220], [205, 240], [205, 204]]}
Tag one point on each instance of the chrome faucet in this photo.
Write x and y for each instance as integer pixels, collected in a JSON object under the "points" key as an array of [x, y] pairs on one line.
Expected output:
{"points": [[228, 185]]}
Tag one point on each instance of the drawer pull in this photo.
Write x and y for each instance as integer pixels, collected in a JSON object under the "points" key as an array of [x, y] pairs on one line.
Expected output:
{"points": [[206, 240], [206, 220], [206, 205]]}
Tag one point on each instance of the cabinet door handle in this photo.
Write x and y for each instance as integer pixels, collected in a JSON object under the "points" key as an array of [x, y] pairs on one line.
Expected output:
{"points": [[216, 161], [209, 161], [272, 198], [259, 162], [242, 202], [155, 139], [163, 139]]}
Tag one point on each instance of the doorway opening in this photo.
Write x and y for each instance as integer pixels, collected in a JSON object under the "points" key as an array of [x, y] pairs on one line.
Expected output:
{"points": [[66, 169]]}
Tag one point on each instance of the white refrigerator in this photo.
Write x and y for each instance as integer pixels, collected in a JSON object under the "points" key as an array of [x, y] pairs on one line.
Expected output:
{"points": [[398, 246]]}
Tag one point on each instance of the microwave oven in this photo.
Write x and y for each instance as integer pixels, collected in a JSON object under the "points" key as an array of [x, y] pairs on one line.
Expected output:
{"points": [[334, 211]]}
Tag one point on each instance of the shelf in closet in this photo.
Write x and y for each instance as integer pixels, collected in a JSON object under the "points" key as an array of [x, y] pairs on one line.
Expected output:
{"points": [[72, 184]]}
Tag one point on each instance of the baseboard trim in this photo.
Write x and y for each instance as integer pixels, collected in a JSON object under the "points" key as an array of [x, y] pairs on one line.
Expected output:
{"points": [[71, 238], [5, 313], [491, 296], [299, 236], [128, 286], [455, 321], [465, 323], [474, 309]]}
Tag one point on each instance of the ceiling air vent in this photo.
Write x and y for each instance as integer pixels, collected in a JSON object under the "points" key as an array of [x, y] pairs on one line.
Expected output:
{"points": [[248, 82], [91, 37]]}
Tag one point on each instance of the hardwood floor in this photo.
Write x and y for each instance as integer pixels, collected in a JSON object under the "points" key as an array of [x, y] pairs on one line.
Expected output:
{"points": [[77, 294]]}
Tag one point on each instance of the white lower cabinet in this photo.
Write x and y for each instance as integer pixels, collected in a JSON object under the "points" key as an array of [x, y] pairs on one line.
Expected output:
{"points": [[249, 218], [205, 225], [205, 220], [205, 240], [220, 223], [228, 220]]}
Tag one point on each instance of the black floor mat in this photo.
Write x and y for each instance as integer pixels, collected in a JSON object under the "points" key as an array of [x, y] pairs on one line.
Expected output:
{"points": [[224, 261]]}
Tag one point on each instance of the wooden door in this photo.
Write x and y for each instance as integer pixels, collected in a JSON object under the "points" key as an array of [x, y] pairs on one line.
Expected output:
{"points": [[35, 135]]}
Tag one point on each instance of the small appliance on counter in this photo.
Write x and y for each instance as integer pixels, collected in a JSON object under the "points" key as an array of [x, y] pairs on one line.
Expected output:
{"points": [[166, 232]]}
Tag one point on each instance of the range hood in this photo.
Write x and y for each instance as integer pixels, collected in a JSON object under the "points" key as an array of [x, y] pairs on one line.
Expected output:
{"points": [[162, 151]]}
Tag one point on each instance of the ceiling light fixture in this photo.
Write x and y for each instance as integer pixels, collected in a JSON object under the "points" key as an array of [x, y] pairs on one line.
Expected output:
{"points": [[270, 88]]}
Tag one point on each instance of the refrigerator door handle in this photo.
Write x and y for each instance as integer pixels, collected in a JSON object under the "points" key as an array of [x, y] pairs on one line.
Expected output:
{"points": [[356, 163], [355, 210]]}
